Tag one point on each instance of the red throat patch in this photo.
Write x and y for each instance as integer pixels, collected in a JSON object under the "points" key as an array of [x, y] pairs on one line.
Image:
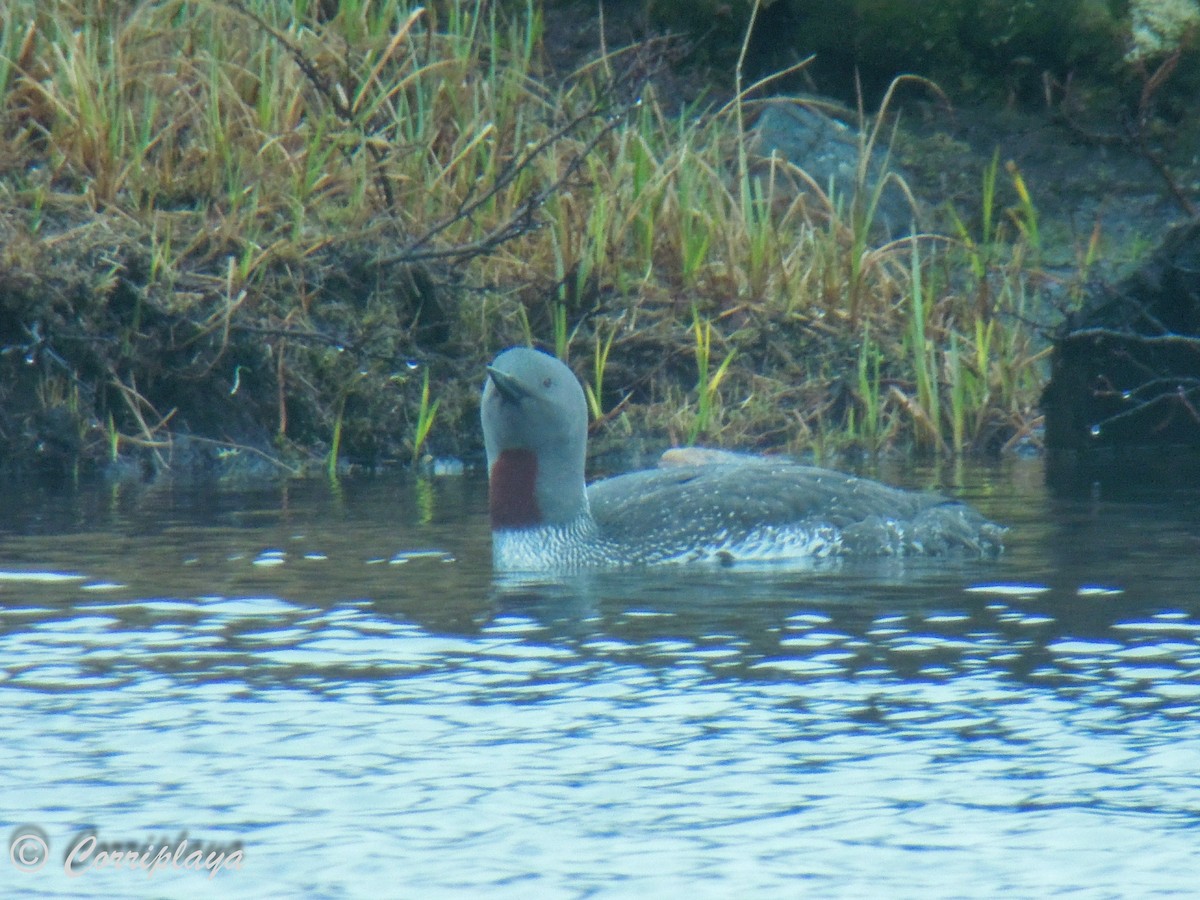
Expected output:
{"points": [[511, 501]]}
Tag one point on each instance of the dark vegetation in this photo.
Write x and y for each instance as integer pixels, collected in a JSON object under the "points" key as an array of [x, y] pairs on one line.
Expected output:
{"points": [[271, 236], [1127, 367]]}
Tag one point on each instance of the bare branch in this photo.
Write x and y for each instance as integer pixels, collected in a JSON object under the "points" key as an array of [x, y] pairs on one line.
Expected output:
{"points": [[1132, 337]]}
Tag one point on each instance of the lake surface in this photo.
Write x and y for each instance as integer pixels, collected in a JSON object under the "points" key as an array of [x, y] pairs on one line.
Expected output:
{"points": [[329, 681]]}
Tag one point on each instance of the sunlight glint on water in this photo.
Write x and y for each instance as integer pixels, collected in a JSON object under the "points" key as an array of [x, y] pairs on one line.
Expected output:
{"points": [[368, 713]]}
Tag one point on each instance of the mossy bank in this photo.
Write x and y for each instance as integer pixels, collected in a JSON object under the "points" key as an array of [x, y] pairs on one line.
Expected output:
{"points": [[293, 234]]}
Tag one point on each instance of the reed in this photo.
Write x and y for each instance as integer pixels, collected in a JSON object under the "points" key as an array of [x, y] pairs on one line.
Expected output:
{"points": [[268, 181], [867, 426], [708, 380], [1025, 213], [426, 415], [602, 348], [924, 357], [335, 441]]}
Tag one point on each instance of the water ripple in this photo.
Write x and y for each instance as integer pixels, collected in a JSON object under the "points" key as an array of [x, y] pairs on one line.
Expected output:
{"points": [[415, 728]]}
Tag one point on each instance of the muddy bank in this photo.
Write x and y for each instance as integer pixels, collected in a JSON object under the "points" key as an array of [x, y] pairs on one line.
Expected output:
{"points": [[259, 324]]}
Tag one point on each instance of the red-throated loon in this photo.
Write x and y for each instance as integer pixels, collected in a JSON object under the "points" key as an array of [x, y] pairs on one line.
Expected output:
{"points": [[715, 506]]}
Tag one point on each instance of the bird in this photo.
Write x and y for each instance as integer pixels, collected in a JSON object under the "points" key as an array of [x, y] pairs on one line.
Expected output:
{"points": [[699, 506]]}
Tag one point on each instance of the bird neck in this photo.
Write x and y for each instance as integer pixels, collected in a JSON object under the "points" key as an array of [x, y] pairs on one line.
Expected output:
{"points": [[527, 492]]}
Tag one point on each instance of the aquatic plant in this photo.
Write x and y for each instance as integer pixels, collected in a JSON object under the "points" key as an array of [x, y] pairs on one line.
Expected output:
{"points": [[708, 381], [426, 415], [244, 217], [602, 347]]}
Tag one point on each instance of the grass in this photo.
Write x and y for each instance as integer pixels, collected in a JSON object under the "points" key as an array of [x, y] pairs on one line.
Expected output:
{"points": [[708, 381], [426, 415], [245, 217], [594, 390]]}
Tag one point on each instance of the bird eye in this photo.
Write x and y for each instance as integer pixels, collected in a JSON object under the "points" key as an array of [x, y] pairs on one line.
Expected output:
{"points": [[547, 382]]}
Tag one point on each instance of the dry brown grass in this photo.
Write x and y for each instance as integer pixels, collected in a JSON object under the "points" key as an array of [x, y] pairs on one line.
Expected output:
{"points": [[264, 227]]}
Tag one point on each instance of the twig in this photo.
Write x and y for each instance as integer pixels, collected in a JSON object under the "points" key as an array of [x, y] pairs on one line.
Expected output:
{"points": [[134, 400], [523, 218], [1180, 395], [332, 92], [1135, 135], [1169, 338], [244, 448]]}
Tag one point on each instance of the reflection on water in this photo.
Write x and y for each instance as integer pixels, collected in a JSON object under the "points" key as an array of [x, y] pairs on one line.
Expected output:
{"points": [[333, 679]]}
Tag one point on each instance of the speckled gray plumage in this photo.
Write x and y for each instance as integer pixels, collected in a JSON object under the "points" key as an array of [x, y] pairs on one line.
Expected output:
{"points": [[706, 506], [673, 506]]}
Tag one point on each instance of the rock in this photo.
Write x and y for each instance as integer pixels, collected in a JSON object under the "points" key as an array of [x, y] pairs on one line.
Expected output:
{"points": [[1126, 368], [828, 150], [707, 456]]}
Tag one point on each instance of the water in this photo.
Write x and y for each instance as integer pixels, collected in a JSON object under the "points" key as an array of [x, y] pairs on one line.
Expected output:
{"points": [[331, 682]]}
